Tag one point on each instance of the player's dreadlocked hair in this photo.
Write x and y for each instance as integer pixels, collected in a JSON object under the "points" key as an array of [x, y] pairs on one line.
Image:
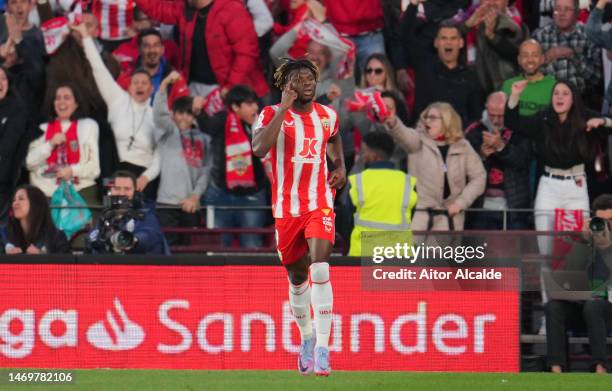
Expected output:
{"points": [[282, 73]]}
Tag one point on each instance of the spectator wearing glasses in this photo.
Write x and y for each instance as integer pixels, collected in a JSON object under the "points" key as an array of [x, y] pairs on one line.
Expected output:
{"points": [[569, 53], [378, 73], [449, 172]]}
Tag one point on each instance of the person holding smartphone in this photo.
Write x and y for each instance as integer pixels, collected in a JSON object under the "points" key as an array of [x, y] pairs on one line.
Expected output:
{"points": [[505, 155]]}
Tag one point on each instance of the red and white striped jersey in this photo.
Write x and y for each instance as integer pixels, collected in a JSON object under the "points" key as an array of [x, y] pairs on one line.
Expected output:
{"points": [[299, 165], [114, 16]]}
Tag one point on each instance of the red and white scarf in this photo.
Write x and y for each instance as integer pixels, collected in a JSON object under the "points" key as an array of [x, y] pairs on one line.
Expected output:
{"points": [[213, 102], [370, 101], [193, 151], [69, 150], [115, 17], [238, 154], [56, 30]]}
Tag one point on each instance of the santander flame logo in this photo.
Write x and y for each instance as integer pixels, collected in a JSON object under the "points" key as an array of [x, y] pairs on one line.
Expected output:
{"points": [[125, 337]]}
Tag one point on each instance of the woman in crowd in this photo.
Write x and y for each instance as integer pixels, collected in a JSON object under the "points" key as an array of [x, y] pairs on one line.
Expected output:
{"points": [[31, 230], [68, 149], [131, 118], [564, 143], [450, 175], [378, 73]]}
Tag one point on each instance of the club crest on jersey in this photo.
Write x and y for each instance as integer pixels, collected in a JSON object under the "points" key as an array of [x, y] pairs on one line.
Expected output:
{"points": [[326, 124], [310, 152]]}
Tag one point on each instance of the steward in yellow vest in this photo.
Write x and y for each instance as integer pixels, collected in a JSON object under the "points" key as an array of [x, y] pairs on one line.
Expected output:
{"points": [[382, 195]]}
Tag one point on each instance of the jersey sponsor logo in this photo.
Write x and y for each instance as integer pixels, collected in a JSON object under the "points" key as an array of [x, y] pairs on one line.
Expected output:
{"points": [[326, 211], [310, 152]]}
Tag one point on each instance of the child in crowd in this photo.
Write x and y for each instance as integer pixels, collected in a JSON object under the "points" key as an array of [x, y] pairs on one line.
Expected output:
{"points": [[185, 153]]}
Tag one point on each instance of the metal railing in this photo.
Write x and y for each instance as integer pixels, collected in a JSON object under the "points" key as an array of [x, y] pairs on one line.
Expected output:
{"points": [[210, 211]]}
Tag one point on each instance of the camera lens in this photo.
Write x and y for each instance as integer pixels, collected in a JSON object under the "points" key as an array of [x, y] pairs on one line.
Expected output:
{"points": [[122, 240], [597, 224]]}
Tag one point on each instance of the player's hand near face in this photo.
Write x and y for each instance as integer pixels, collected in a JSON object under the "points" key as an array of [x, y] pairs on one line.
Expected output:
{"points": [[289, 95]]}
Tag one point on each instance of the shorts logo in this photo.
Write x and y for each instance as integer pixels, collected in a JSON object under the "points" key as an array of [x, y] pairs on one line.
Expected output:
{"points": [[310, 152], [328, 223]]}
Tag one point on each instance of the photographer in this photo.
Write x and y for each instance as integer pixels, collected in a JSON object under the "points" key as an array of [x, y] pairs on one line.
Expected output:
{"points": [[593, 255], [126, 227]]}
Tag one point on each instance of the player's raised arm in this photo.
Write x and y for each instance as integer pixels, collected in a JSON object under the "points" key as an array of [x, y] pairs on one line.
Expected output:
{"points": [[265, 137]]}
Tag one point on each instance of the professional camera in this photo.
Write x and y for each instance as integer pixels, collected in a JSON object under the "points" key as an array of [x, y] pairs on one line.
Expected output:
{"points": [[598, 225], [114, 232]]}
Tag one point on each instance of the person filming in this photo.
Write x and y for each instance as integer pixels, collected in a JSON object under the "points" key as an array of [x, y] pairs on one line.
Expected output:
{"points": [[125, 226]]}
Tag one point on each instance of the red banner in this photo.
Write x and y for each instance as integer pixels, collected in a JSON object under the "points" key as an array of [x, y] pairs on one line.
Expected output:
{"points": [[238, 317]]}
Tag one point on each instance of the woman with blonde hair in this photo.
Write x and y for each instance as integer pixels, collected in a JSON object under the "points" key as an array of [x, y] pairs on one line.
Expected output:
{"points": [[450, 175]]}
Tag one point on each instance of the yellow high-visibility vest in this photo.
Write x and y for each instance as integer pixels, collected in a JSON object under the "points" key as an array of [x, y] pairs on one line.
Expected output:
{"points": [[384, 199]]}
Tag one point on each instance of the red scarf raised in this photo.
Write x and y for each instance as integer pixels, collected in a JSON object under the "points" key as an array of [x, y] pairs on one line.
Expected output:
{"points": [[67, 153], [193, 151], [238, 154]]}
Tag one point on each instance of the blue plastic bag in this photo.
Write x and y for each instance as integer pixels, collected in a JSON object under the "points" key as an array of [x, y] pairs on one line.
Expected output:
{"points": [[68, 218]]}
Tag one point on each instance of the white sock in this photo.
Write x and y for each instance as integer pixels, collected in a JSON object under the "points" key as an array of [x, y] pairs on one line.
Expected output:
{"points": [[299, 299], [322, 301]]}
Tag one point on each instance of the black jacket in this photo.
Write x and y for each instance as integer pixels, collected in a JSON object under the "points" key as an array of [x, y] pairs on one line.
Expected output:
{"points": [[54, 242], [556, 144], [434, 82], [514, 158], [13, 120]]}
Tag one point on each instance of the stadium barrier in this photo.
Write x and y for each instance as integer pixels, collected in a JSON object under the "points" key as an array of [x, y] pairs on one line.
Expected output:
{"points": [[199, 312]]}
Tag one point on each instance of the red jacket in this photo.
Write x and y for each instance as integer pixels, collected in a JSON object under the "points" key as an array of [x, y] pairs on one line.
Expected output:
{"points": [[231, 41], [353, 17]]}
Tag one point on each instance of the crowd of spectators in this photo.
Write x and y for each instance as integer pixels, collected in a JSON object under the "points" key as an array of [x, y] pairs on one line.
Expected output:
{"points": [[484, 96]]}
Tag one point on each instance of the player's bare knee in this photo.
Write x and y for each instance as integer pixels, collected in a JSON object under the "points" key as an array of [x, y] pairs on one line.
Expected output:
{"points": [[297, 277], [319, 272]]}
